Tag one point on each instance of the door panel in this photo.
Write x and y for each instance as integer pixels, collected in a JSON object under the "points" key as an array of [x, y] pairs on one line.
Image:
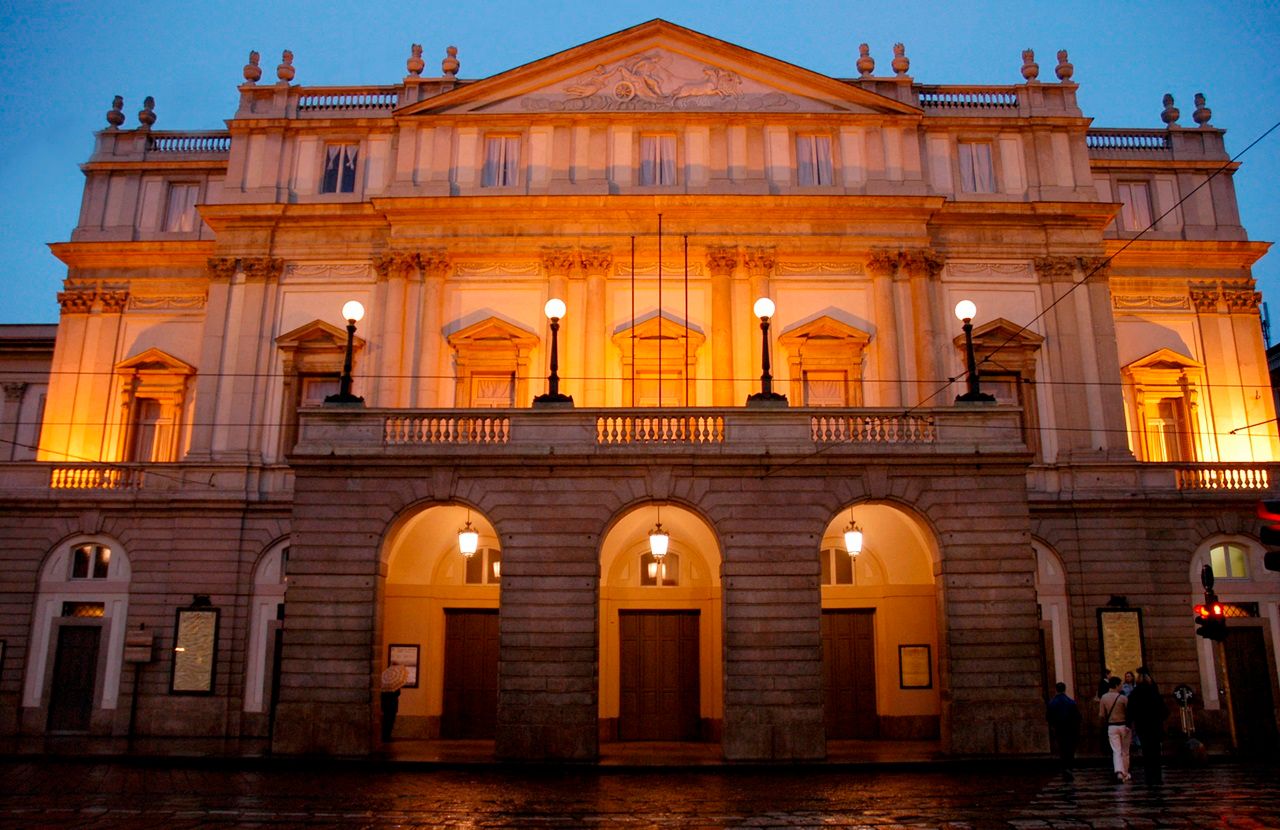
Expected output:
{"points": [[75, 675], [1249, 679], [470, 673], [849, 673], [659, 684]]}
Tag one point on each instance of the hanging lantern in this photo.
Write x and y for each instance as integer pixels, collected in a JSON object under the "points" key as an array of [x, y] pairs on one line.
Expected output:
{"points": [[468, 539], [853, 538], [658, 541]]}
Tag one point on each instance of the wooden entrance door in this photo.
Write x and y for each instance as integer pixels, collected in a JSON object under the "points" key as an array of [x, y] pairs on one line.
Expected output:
{"points": [[75, 674], [659, 684], [1249, 685], [849, 673], [470, 673]]}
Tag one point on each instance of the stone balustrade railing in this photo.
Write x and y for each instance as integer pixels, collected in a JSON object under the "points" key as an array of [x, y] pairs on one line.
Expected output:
{"points": [[446, 429], [1137, 141], [96, 476], [215, 143], [647, 429], [1145, 480], [1224, 477], [338, 102], [992, 99]]}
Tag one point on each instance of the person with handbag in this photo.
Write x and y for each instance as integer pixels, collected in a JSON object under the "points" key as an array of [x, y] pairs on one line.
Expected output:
{"points": [[1113, 709]]}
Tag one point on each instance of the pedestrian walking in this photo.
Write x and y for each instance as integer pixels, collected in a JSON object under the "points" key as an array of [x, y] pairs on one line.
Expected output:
{"points": [[393, 679], [1064, 724], [1113, 709], [1104, 685], [1147, 714]]}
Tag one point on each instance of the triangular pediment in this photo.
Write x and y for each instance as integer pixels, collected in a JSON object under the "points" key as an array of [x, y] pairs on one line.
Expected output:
{"points": [[657, 327], [1002, 333], [316, 335], [823, 330], [1163, 360], [658, 66], [155, 360], [493, 331]]}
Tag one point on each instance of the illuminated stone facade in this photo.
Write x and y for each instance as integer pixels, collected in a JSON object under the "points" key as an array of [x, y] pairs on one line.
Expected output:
{"points": [[658, 181]]}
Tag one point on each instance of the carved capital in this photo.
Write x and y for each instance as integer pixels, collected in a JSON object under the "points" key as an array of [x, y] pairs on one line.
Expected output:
{"points": [[760, 260], [722, 259], [1242, 301], [922, 261], [221, 267], [261, 268], [1057, 267], [597, 260], [76, 302], [113, 302], [394, 262], [13, 391], [1095, 267], [434, 262], [882, 263], [559, 261], [1204, 297]]}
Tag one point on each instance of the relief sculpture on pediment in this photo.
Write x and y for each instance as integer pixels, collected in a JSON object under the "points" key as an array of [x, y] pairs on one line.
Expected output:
{"points": [[650, 82]]}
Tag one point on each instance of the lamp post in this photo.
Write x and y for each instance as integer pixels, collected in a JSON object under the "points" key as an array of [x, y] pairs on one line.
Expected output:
{"points": [[354, 313], [764, 309], [554, 309], [965, 310]]}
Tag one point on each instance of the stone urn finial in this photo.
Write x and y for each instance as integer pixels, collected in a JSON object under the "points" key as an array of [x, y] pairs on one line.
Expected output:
{"points": [[1171, 113], [1065, 70], [147, 115], [285, 70], [1030, 69], [115, 115], [1202, 113], [252, 72], [901, 63], [450, 65], [415, 63], [866, 64]]}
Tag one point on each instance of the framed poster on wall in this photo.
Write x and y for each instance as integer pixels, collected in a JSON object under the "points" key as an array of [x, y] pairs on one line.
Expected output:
{"points": [[915, 667], [1120, 639], [195, 649], [405, 654]]}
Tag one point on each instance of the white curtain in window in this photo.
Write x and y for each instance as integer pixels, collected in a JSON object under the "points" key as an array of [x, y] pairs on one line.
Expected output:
{"points": [[657, 159], [501, 161], [180, 212], [1135, 211], [976, 172], [813, 160]]}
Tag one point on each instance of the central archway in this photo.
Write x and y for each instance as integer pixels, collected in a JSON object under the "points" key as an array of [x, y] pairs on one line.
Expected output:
{"points": [[660, 629], [440, 619]]}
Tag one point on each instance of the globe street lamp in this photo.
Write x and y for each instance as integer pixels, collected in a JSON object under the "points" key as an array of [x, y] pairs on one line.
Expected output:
{"points": [[965, 310], [354, 313], [554, 309], [764, 309]]}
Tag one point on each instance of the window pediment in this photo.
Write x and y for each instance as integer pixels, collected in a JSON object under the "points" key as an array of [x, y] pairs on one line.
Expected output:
{"points": [[656, 328], [315, 347], [493, 332], [155, 361], [1006, 346]]}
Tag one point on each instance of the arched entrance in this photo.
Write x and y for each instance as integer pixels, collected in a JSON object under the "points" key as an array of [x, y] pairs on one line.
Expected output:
{"points": [[879, 627], [440, 620], [660, 629], [1055, 621]]}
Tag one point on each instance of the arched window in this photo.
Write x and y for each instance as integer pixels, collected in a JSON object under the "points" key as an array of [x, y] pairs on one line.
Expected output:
{"points": [[665, 573], [837, 567], [1229, 561], [484, 567]]}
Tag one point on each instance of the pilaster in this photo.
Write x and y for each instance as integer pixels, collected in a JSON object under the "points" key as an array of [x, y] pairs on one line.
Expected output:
{"points": [[882, 265], [393, 270], [434, 265], [922, 268], [721, 262], [241, 400], [1071, 409], [209, 375], [596, 263], [13, 394]]}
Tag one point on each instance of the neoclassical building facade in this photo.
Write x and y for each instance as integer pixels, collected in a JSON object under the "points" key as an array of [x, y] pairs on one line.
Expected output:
{"points": [[205, 547]]}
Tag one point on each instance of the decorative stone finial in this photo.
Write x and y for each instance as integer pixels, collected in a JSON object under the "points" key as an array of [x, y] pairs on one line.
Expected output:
{"points": [[866, 63], [901, 63], [1171, 113], [1030, 69], [252, 72], [147, 115], [285, 70], [1065, 70], [115, 115], [450, 65], [415, 63], [1202, 113]]}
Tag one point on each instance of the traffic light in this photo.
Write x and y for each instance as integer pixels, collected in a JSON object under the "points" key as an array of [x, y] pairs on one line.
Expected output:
{"points": [[1269, 512], [1211, 619]]}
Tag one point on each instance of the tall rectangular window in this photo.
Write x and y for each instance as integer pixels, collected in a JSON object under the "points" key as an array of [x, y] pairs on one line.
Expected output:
{"points": [[1135, 210], [339, 169], [813, 160], [657, 159], [180, 209], [501, 161], [976, 173]]}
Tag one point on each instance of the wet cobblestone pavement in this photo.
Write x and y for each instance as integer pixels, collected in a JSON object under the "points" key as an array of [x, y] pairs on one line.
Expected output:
{"points": [[50, 793]]}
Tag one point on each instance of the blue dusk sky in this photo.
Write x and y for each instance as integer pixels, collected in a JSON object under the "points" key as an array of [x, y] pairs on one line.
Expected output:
{"points": [[63, 60]]}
